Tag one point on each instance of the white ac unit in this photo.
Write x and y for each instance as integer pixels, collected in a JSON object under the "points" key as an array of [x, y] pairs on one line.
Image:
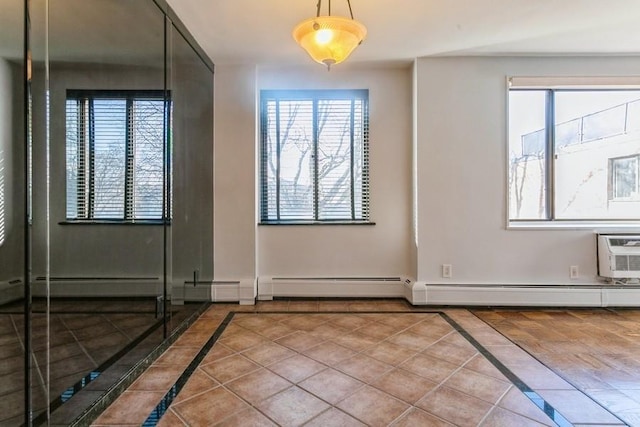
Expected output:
{"points": [[619, 256]]}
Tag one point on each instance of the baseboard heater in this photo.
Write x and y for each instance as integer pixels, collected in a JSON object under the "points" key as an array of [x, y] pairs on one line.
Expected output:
{"points": [[359, 286], [90, 286], [531, 295], [11, 290], [99, 279]]}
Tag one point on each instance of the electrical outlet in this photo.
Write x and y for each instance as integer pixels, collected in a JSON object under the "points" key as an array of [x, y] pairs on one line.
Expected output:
{"points": [[573, 272], [447, 272]]}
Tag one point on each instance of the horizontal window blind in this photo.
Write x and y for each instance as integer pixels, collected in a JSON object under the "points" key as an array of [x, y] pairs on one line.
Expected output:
{"points": [[314, 156], [74, 177], [108, 126], [148, 138], [115, 154]]}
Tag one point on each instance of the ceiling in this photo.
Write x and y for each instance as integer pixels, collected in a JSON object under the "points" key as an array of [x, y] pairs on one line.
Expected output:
{"points": [[259, 32]]}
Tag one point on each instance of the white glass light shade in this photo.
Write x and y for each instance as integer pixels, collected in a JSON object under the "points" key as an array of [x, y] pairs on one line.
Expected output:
{"points": [[329, 39]]}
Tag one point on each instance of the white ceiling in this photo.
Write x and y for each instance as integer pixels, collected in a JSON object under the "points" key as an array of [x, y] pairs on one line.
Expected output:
{"points": [[259, 31]]}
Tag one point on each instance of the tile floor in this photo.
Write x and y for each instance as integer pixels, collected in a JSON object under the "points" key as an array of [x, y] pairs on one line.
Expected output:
{"points": [[598, 351], [83, 334], [363, 362]]}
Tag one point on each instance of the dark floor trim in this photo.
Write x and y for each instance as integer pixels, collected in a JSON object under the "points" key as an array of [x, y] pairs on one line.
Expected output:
{"points": [[162, 407], [168, 398], [92, 412], [93, 375], [537, 400], [539, 361]]}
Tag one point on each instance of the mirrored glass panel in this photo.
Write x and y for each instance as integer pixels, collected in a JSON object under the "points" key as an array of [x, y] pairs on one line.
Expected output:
{"points": [[12, 214], [191, 89], [100, 285], [106, 146]]}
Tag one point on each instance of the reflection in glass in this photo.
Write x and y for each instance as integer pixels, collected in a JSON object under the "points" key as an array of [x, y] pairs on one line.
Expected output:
{"points": [[191, 88], [114, 161], [77, 172], [592, 176], [625, 178], [527, 154], [590, 133], [12, 214]]}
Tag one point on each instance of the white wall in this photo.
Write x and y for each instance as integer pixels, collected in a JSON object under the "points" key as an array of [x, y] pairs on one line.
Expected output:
{"points": [[234, 173], [461, 178], [243, 250], [384, 249]]}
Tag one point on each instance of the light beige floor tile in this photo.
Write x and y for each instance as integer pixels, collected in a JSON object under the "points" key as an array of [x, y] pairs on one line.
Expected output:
{"points": [[292, 407], [373, 407]]}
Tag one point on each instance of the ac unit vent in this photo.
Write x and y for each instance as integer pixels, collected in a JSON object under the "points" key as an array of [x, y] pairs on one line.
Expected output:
{"points": [[626, 242], [622, 263], [634, 262], [619, 256], [628, 262]]}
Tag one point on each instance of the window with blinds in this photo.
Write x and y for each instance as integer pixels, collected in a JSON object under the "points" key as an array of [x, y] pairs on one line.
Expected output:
{"points": [[115, 155], [314, 156]]}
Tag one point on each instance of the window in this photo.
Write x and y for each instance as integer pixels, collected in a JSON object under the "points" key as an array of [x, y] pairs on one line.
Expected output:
{"points": [[314, 156], [115, 155], [624, 178], [573, 153]]}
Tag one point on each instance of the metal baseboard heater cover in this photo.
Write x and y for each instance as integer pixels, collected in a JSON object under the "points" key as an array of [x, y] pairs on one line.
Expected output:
{"points": [[332, 286]]}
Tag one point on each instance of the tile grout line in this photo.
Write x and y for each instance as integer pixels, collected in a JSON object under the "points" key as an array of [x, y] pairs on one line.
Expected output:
{"points": [[168, 398], [540, 402], [547, 367], [495, 406], [59, 401], [327, 367], [115, 390], [163, 406]]}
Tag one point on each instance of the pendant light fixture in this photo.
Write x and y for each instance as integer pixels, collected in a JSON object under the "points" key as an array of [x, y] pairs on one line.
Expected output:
{"points": [[329, 39]]}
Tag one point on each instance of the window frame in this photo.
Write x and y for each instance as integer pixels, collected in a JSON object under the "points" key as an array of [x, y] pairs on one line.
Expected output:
{"points": [[613, 179], [315, 96], [551, 86], [129, 96]]}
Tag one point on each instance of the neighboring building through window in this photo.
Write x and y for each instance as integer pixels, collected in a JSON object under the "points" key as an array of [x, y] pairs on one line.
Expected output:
{"points": [[115, 155], [624, 178], [573, 153], [314, 156]]}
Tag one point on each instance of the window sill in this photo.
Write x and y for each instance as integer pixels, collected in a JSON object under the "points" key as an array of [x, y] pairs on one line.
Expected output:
{"points": [[113, 222], [597, 226], [310, 222]]}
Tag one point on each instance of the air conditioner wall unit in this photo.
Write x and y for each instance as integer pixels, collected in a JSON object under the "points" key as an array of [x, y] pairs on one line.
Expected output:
{"points": [[619, 256]]}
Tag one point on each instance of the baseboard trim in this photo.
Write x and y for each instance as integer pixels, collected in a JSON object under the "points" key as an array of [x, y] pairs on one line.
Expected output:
{"points": [[542, 296], [11, 290], [345, 287], [98, 287]]}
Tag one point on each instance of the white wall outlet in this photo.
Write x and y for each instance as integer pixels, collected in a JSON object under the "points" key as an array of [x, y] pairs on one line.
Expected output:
{"points": [[447, 271], [573, 272]]}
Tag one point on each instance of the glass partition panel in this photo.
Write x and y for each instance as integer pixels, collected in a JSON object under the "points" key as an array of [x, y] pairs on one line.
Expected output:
{"points": [[94, 197], [191, 88], [107, 128], [12, 213]]}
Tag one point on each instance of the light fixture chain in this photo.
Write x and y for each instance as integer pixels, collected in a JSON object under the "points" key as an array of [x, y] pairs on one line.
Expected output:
{"points": [[350, 11], [319, 5]]}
